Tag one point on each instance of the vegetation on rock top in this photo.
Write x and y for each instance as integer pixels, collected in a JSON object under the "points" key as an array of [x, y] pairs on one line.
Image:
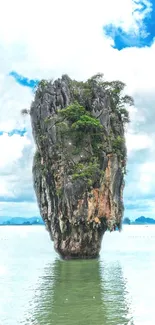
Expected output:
{"points": [[84, 133], [113, 89], [81, 136]]}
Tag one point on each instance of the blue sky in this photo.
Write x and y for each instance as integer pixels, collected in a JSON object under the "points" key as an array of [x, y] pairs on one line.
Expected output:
{"points": [[144, 36], [24, 81], [113, 37], [20, 132]]}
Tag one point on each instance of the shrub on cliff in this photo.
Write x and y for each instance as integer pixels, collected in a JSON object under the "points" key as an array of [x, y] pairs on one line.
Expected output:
{"points": [[85, 132]]}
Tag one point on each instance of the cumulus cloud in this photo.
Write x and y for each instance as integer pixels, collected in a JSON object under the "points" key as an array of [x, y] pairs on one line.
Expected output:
{"points": [[140, 207], [12, 147], [13, 97], [137, 142], [140, 33], [45, 39], [22, 209]]}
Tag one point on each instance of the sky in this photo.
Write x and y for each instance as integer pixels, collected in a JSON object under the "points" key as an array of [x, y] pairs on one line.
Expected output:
{"points": [[45, 39]]}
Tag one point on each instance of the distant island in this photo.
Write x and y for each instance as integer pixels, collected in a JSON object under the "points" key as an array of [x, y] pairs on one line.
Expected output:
{"points": [[139, 221], [20, 221]]}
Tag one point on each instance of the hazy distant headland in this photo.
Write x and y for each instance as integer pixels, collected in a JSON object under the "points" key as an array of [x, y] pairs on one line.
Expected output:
{"points": [[139, 221], [19, 221]]}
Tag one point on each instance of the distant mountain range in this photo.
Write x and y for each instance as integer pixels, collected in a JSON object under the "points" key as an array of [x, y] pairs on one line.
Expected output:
{"points": [[139, 221], [38, 221], [21, 221]]}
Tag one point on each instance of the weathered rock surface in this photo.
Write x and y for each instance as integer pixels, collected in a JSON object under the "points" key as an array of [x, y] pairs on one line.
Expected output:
{"points": [[77, 206]]}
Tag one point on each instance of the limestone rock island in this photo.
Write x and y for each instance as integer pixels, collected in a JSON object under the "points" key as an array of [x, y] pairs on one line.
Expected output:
{"points": [[80, 160]]}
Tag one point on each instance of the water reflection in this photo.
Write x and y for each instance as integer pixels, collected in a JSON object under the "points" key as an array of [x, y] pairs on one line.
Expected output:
{"points": [[115, 295], [80, 293]]}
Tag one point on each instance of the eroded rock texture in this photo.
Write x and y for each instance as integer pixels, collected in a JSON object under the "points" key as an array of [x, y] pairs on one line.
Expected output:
{"points": [[79, 167]]}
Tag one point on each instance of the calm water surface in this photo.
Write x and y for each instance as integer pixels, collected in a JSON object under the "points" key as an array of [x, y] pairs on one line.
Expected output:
{"points": [[37, 288]]}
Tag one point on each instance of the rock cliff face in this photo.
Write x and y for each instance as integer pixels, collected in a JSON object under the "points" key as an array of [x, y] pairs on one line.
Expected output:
{"points": [[80, 161]]}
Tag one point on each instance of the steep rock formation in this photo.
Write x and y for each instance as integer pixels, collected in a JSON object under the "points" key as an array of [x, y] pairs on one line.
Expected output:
{"points": [[80, 160]]}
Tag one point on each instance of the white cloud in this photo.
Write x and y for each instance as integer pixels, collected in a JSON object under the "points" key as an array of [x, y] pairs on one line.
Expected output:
{"points": [[13, 98], [3, 188], [45, 39], [57, 36], [140, 207], [16, 166], [12, 147], [136, 142], [15, 209], [147, 176]]}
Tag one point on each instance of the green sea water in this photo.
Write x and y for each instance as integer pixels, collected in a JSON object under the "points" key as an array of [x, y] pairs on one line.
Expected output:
{"points": [[38, 288]]}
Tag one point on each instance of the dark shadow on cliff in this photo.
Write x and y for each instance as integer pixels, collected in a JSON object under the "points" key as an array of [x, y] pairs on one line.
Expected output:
{"points": [[80, 293]]}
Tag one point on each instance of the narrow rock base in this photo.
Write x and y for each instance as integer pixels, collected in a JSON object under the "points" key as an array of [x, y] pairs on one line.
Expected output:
{"points": [[78, 257], [80, 245]]}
